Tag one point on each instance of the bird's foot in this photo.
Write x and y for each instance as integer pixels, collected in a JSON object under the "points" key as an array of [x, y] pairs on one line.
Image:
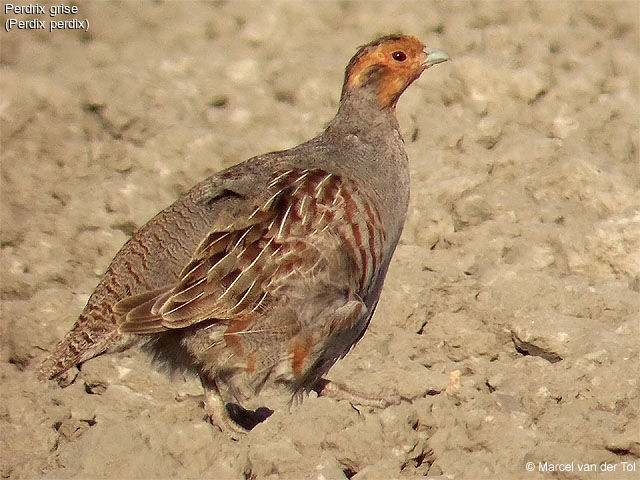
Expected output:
{"points": [[327, 388], [218, 415], [231, 418]]}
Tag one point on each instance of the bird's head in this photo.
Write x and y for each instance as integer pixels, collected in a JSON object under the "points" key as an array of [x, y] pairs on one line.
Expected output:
{"points": [[389, 65]]}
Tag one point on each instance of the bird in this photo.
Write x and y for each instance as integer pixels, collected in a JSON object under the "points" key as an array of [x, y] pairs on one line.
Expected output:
{"points": [[267, 272]]}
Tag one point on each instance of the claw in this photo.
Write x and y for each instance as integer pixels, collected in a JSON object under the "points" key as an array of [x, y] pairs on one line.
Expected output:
{"points": [[230, 418], [337, 391]]}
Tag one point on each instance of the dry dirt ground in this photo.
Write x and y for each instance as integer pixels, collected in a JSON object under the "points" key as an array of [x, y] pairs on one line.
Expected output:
{"points": [[509, 323]]}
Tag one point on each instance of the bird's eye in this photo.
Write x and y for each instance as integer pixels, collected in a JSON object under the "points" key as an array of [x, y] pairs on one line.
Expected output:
{"points": [[399, 56]]}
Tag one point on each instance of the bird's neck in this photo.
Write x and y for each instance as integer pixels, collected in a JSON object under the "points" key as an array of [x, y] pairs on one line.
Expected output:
{"points": [[361, 114], [369, 142]]}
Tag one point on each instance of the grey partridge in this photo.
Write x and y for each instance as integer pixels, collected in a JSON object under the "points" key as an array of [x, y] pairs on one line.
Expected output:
{"points": [[269, 271]]}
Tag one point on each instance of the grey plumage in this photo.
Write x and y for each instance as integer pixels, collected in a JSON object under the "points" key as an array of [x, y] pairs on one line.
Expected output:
{"points": [[269, 271]]}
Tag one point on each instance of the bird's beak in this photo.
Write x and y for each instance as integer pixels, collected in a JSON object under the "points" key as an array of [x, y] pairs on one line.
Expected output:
{"points": [[434, 56]]}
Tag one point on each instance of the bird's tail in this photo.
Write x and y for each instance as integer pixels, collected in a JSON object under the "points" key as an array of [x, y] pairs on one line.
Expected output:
{"points": [[83, 343]]}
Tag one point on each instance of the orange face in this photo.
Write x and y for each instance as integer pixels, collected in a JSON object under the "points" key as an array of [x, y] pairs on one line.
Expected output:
{"points": [[392, 62]]}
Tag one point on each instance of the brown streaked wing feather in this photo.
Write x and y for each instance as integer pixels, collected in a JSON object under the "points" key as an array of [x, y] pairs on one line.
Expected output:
{"points": [[129, 303], [138, 316], [237, 267]]}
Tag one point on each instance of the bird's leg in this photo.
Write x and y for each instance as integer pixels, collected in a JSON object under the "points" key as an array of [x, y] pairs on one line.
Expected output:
{"points": [[231, 418], [216, 410], [327, 388]]}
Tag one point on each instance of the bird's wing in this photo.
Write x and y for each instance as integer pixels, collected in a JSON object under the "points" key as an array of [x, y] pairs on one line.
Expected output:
{"points": [[237, 270]]}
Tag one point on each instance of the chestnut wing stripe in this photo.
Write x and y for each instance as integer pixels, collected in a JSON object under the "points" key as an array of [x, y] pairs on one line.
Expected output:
{"points": [[237, 272]]}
